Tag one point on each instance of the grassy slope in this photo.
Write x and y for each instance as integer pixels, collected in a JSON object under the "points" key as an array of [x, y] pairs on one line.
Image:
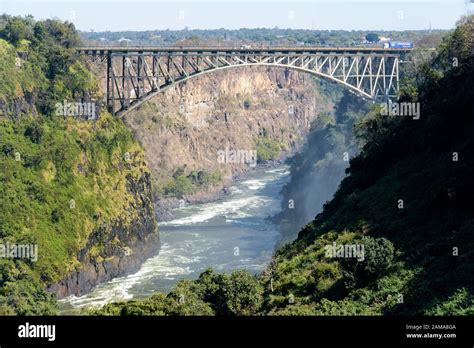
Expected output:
{"points": [[413, 161]]}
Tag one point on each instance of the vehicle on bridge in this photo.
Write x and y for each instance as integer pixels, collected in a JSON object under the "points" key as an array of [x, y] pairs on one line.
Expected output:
{"points": [[392, 44]]}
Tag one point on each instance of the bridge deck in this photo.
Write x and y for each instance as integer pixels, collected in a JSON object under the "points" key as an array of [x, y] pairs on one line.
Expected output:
{"points": [[149, 49]]}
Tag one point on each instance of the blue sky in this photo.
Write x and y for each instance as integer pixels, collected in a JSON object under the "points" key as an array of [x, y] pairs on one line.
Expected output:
{"points": [[100, 15]]}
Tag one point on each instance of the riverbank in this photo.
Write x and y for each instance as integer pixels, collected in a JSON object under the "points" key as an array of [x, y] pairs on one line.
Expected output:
{"points": [[228, 234]]}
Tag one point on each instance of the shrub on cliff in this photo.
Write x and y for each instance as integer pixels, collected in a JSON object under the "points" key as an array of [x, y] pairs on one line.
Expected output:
{"points": [[182, 184], [378, 255], [268, 149]]}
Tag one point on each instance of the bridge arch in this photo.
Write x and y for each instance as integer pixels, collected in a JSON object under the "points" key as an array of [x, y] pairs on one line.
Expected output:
{"points": [[136, 103]]}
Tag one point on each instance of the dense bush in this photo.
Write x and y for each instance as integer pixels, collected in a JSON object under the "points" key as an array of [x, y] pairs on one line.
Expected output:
{"points": [[183, 184], [238, 293], [268, 149], [378, 257]]}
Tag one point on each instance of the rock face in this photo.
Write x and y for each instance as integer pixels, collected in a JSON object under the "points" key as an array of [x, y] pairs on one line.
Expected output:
{"points": [[16, 107], [118, 248]]}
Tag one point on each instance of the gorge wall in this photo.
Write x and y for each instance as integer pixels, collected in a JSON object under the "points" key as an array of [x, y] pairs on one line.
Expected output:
{"points": [[319, 167], [77, 190], [257, 108]]}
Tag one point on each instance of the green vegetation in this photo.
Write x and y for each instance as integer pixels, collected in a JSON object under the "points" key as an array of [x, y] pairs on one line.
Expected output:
{"points": [[372, 37], [418, 257], [247, 103], [411, 160], [182, 184], [61, 177], [211, 294], [268, 149]]}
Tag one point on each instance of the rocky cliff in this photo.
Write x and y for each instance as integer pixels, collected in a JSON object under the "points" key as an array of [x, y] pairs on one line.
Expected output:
{"points": [[75, 190], [79, 190], [116, 248]]}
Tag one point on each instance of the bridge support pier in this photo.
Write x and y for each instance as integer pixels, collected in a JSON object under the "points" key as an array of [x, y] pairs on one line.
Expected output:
{"points": [[110, 84]]}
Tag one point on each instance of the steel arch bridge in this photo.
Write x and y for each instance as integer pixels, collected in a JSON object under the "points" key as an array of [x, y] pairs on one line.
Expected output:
{"points": [[136, 74]]}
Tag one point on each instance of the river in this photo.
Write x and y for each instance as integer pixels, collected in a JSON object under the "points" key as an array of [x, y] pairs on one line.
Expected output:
{"points": [[228, 234]]}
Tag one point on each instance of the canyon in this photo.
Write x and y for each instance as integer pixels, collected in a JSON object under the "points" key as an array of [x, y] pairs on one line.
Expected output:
{"points": [[190, 125], [187, 128]]}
